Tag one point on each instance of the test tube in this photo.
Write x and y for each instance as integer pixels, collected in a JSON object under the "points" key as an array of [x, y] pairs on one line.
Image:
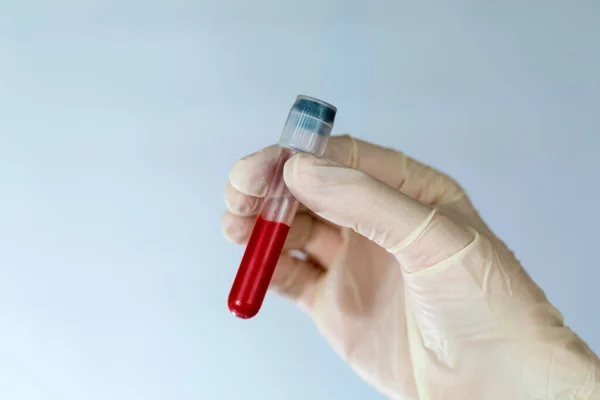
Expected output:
{"points": [[306, 130]]}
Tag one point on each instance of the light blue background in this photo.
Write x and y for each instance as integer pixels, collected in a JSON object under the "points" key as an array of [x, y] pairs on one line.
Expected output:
{"points": [[119, 121]]}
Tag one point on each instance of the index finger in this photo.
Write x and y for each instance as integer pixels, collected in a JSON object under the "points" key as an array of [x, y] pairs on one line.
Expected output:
{"points": [[250, 175]]}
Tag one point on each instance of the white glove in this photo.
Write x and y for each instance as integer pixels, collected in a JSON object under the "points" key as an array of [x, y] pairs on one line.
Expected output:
{"points": [[408, 284]]}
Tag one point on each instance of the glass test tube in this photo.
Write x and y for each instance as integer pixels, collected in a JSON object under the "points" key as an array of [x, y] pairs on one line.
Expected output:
{"points": [[307, 130]]}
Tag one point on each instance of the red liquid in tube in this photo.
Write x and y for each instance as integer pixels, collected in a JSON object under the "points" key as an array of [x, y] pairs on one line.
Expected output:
{"points": [[257, 267]]}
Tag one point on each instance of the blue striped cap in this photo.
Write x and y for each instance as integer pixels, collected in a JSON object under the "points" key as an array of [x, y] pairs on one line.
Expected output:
{"points": [[315, 108]]}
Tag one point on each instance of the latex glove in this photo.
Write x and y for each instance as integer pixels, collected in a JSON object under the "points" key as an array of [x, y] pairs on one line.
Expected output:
{"points": [[408, 284]]}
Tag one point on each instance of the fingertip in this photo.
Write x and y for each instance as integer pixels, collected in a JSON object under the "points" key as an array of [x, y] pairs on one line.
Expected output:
{"points": [[245, 178], [250, 174], [239, 203], [225, 226], [236, 229]]}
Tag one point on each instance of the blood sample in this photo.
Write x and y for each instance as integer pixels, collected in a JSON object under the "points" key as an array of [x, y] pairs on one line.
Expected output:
{"points": [[257, 267], [307, 130]]}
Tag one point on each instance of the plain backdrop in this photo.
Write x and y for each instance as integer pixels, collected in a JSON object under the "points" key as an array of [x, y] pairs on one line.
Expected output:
{"points": [[119, 121]]}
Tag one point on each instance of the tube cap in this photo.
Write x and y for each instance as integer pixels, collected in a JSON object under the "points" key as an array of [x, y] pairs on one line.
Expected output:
{"points": [[308, 126]]}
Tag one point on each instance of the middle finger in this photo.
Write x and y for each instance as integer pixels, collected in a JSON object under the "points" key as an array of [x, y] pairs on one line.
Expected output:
{"points": [[320, 241]]}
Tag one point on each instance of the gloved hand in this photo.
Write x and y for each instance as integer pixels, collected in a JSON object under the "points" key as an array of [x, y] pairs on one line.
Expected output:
{"points": [[408, 284]]}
